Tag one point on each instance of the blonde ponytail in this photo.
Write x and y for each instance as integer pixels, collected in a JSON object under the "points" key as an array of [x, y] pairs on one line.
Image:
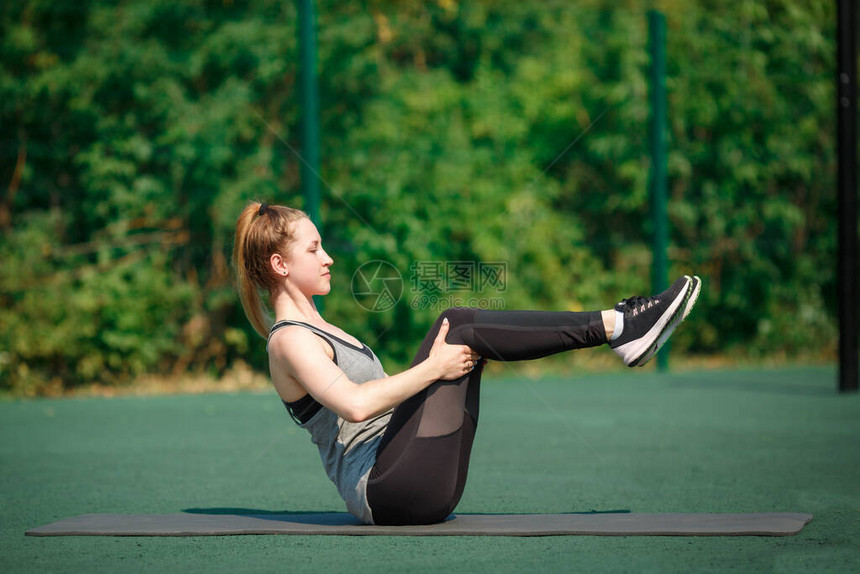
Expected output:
{"points": [[261, 231]]}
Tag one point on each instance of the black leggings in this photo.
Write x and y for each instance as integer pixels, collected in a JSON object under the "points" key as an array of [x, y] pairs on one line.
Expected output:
{"points": [[423, 458]]}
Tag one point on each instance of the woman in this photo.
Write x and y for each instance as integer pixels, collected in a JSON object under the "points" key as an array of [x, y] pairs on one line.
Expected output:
{"points": [[397, 447]]}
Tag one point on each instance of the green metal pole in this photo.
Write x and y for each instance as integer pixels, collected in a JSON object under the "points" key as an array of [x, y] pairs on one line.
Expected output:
{"points": [[846, 269], [657, 180], [309, 102]]}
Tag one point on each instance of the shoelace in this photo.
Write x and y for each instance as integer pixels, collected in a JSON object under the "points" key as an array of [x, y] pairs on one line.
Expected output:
{"points": [[638, 304]]}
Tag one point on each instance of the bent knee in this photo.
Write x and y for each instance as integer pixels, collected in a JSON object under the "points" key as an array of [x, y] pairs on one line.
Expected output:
{"points": [[457, 316]]}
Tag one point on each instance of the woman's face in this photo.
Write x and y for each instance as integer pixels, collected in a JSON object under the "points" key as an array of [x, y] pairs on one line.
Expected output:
{"points": [[308, 262]]}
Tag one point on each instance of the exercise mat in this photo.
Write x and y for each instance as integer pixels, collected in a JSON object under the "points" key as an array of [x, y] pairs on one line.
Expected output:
{"points": [[594, 524]]}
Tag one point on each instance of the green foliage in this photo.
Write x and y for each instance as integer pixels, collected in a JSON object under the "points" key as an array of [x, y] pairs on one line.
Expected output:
{"points": [[68, 318], [134, 132]]}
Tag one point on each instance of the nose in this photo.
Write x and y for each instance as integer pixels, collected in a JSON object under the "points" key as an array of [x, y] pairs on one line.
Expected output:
{"points": [[327, 260]]}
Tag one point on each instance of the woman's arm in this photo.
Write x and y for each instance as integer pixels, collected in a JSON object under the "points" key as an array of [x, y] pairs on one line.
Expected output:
{"points": [[301, 357]]}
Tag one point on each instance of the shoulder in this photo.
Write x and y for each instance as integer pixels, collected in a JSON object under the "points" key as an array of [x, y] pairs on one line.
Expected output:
{"points": [[297, 358], [294, 342]]}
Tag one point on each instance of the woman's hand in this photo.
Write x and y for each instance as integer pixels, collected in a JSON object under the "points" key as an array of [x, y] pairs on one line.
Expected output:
{"points": [[451, 361]]}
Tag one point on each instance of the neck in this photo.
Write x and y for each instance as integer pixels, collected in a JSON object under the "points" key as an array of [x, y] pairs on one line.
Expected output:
{"points": [[295, 306]]}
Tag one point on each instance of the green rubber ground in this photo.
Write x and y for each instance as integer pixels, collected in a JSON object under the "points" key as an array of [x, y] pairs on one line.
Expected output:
{"points": [[754, 441]]}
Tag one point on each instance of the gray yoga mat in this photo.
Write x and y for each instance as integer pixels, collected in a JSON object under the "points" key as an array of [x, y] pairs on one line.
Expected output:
{"points": [[597, 524]]}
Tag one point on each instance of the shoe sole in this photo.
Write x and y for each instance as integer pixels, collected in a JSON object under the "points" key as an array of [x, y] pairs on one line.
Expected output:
{"points": [[638, 348], [674, 323]]}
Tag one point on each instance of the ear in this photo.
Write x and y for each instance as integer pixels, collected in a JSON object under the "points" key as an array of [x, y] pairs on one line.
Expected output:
{"points": [[279, 265]]}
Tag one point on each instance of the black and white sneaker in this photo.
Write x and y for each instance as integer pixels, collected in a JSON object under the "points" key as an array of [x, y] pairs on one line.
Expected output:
{"points": [[689, 303], [645, 319]]}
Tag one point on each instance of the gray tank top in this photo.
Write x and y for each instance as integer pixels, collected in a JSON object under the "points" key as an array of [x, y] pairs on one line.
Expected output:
{"points": [[347, 450]]}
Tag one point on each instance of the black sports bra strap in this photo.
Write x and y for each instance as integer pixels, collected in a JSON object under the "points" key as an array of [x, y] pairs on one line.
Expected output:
{"points": [[303, 409]]}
